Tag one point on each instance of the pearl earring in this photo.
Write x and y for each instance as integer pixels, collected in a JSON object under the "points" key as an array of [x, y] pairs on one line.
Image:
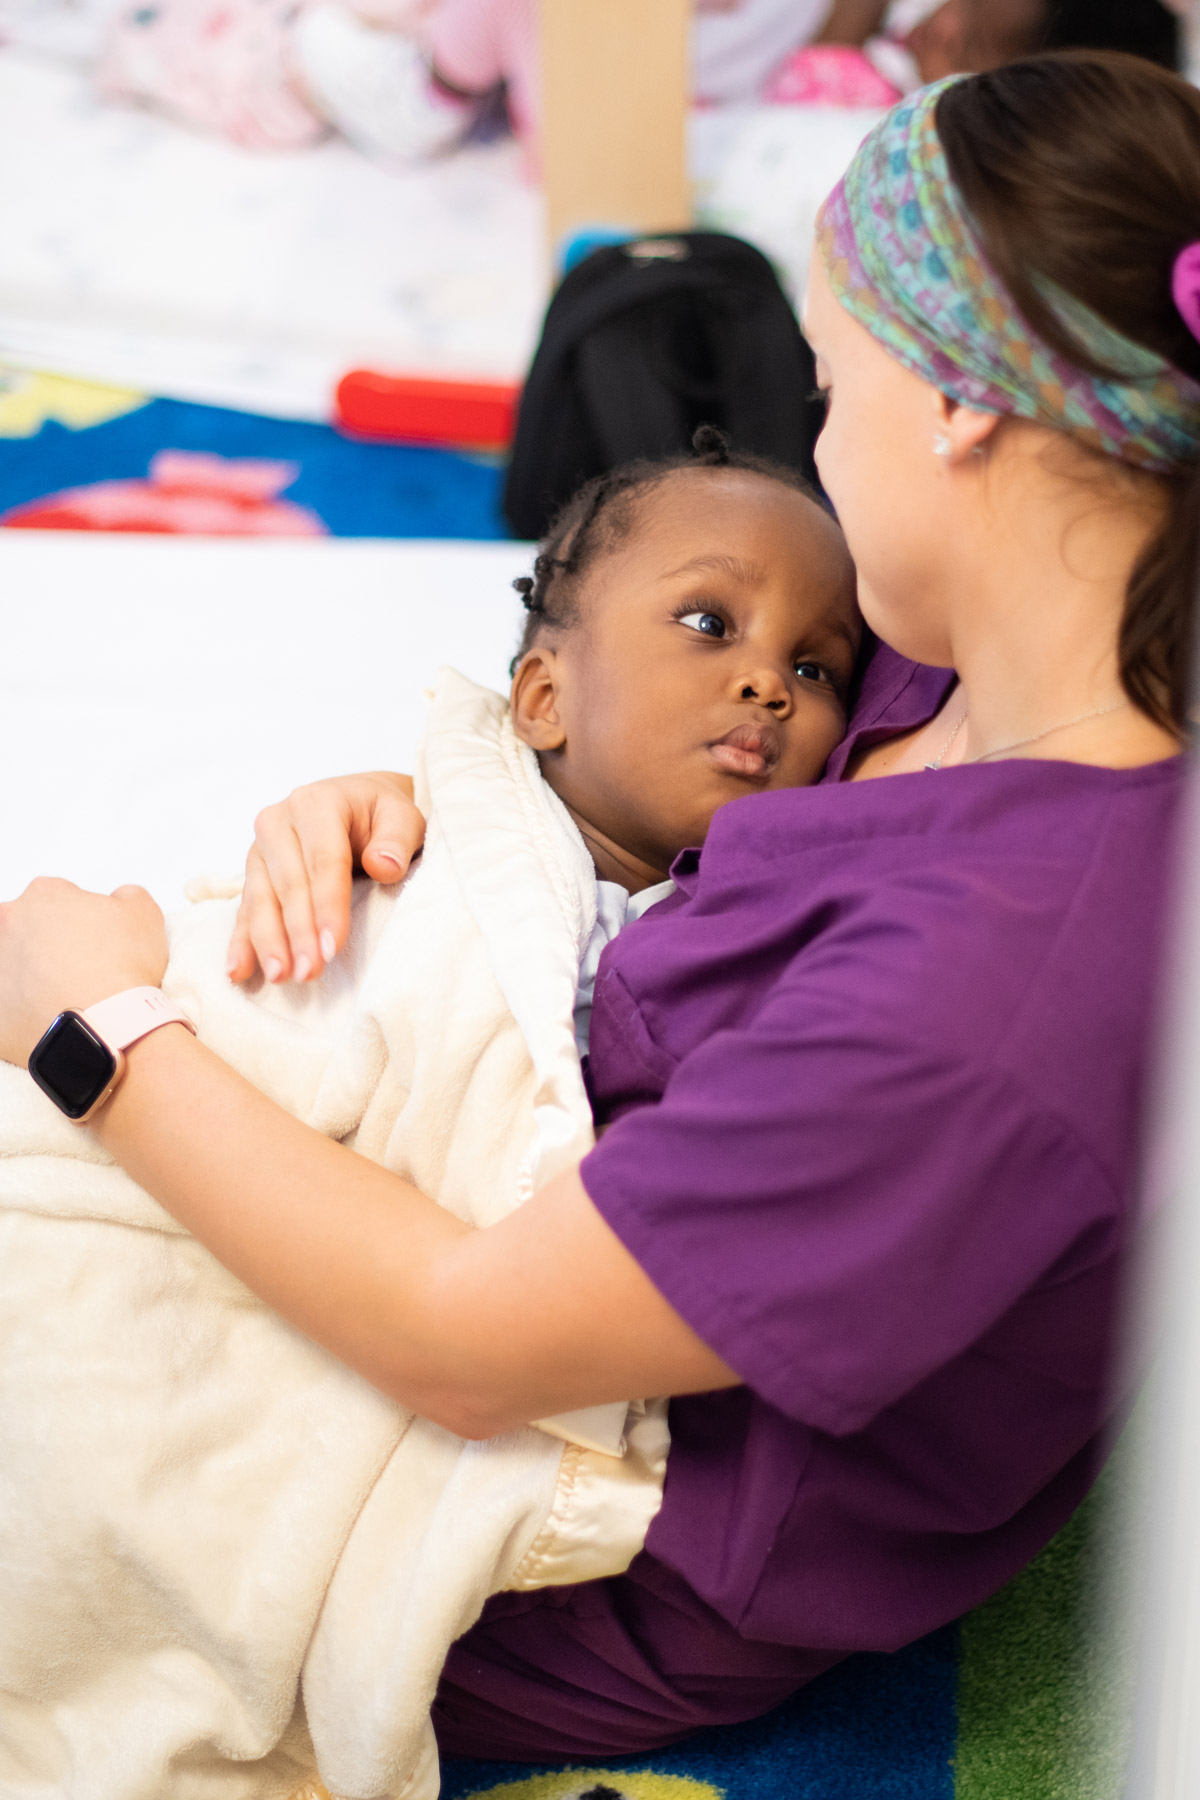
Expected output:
{"points": [[942, 445]]}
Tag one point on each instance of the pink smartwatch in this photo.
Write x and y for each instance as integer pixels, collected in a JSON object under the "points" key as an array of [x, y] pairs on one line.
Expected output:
{"points": [[79, 1061]]}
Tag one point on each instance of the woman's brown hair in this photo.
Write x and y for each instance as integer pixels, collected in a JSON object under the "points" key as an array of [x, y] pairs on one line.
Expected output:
{"points": [[1083, 169]]}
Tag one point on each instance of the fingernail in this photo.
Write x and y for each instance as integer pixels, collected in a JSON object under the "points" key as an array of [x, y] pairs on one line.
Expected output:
{"points": [[301, 968], [328, 946], [392, 856], [272, 968], [231, 967]]}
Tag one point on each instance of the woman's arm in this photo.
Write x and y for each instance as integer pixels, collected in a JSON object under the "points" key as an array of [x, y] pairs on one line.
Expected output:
{"points": [[477, 1330]]}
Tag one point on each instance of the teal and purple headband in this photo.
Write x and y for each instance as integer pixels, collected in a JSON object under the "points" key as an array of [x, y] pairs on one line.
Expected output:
{"points": [[905, 259]]}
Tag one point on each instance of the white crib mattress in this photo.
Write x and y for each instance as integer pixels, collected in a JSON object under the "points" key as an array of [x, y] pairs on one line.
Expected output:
{"points": [[156, 692]]}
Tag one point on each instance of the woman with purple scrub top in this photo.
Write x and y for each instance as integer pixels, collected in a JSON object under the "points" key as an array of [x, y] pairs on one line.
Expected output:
{"points": [[870, 1082]]}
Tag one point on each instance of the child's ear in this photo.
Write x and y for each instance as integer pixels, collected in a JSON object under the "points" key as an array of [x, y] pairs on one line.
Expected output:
{"points": [[534, 700]]}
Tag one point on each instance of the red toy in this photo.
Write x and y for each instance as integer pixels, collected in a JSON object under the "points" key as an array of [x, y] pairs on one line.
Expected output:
{"points": [[468, 415]]}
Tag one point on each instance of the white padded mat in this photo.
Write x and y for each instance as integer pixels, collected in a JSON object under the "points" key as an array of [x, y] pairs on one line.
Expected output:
{"points": [[138, 253], [156, 692]]}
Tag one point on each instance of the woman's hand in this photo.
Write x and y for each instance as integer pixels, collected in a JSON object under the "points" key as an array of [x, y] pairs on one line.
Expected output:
{"points": [[295, 911], [62, 948]]}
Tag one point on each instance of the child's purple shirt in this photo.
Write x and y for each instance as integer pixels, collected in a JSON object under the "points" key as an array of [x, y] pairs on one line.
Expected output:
{"points": [[876, 1074]]}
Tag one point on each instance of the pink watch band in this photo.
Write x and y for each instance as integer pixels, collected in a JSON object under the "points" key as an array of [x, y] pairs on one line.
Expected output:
{"points": [[128, 1016]]}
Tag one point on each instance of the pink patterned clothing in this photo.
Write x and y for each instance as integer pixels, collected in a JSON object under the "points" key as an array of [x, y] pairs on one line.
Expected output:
{"points": [[245, 69], [221, 67], [476, 44], [230, 66], [829, 75]]}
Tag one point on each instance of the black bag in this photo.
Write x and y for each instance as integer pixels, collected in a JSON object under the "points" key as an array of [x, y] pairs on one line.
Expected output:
{"points": [[642, 343]]}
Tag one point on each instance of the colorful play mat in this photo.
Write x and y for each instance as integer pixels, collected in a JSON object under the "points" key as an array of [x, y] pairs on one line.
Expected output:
{"points": [[78, 456]]}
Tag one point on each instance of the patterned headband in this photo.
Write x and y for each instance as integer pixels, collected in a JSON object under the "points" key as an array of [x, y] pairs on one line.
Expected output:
{"points": [[905, 259]]}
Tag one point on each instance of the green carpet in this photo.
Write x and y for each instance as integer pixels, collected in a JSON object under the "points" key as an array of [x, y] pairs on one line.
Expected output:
{"points": [[1043, 1683]]}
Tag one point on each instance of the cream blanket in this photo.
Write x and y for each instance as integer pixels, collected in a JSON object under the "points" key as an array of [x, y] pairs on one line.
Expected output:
{"points": [[226, 1562]]}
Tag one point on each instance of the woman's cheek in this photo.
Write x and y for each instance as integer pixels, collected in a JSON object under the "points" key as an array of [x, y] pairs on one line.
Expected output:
{"points": [[844, 450], [825, 455], [842, 477]]}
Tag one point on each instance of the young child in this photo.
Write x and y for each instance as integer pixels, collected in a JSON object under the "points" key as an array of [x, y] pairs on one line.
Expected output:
{"points": [[402, 79], [405, 79], [691, 639], [919, 41]]}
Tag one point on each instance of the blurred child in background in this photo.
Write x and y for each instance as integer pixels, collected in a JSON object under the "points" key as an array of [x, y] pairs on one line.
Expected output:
{"points": [[870, 54], [407, 79]]}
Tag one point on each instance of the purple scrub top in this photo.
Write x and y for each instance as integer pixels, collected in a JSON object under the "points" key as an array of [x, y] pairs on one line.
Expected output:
{"points": [[874, 1079]]}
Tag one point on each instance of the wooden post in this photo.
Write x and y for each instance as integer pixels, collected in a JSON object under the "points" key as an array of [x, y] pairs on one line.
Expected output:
{"points": [[615, 88]]}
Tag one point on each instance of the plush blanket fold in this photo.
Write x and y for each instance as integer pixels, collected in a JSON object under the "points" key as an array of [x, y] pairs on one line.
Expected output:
{"points": [[226, 1562]]}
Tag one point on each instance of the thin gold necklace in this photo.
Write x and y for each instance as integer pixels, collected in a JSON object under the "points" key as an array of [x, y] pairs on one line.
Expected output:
{"points": [[949, 744], [1099, 712]]}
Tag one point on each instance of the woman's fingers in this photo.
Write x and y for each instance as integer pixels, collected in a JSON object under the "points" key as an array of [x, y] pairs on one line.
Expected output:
{"points": [[295, 910], [365, 821], [260, 939], [282, 928], [142, 905], [317, 913], [397, 831], [240, 960], [275, 929], [61, 947]]}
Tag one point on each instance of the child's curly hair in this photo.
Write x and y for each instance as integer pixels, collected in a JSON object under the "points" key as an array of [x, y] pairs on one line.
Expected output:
{"points": [[600, 515]]}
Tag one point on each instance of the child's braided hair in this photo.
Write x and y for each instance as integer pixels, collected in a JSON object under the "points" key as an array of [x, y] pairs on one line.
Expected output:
{"points": [[600, 515]]}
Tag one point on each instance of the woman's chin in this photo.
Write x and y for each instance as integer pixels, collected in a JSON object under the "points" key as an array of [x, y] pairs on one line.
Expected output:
{"points": [[921, 640]]}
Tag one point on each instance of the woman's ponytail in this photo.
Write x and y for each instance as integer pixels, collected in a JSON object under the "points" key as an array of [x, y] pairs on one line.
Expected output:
{"points": [[1157, 644], [1081, 172]]}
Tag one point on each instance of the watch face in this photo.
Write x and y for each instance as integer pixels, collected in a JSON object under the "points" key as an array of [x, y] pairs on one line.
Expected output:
{"points": [[72, 1065]]}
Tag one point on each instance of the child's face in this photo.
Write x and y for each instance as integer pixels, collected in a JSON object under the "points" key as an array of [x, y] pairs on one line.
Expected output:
{"points": [[712, 658], [974, 35]]}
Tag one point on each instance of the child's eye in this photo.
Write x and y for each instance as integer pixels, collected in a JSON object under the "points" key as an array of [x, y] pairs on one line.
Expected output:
{"points": [[811, 671], [708, 624]]}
